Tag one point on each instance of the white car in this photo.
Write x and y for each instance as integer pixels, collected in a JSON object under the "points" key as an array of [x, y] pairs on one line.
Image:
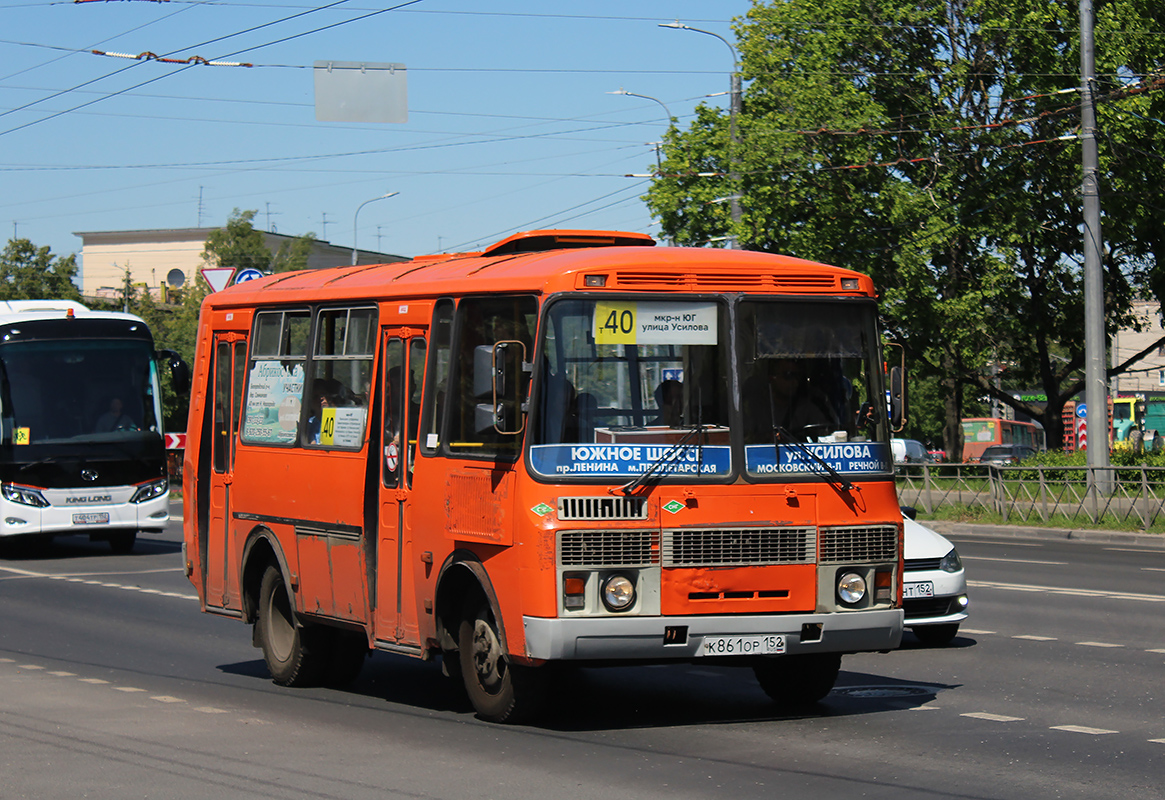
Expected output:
{"points": [[934, 586]]}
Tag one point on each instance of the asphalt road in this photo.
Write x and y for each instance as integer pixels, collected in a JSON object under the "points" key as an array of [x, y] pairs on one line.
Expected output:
{"points": [[113, 685]]}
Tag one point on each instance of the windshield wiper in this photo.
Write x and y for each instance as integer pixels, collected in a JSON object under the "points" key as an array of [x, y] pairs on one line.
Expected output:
{"points": [[669, 457], [783, 436]]}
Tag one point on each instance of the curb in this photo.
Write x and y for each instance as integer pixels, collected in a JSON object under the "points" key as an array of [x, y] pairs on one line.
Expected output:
{"points": [[1091, 536]]}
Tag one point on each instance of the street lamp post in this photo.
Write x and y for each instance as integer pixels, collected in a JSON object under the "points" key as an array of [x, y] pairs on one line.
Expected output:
{"points": [[733, 112], [623, 91], [356, 216]]}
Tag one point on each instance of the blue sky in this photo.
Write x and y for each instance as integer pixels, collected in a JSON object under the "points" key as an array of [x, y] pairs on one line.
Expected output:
{"points": [[510, 125]]}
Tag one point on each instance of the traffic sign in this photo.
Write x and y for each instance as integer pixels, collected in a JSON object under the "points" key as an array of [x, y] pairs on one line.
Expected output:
{"points": [[248, 274], [218, 278], [1082, 410]]}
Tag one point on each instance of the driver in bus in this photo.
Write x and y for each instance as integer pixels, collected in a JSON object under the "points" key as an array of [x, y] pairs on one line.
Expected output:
{"points": [[115, 419], [780, 395]]}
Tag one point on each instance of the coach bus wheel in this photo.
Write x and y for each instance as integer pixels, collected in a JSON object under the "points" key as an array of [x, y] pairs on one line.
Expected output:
{"points": [[500, 691], [122, 542], [798, 681], [292, 652]]}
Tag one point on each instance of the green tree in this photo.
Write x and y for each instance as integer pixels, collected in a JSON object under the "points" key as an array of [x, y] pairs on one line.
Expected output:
{"points": [[28, 272], [932, 146]]}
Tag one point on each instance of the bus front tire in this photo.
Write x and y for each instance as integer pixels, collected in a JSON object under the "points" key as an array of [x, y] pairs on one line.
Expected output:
{"points": [[797, 682], [499, 690], [294, 653]]}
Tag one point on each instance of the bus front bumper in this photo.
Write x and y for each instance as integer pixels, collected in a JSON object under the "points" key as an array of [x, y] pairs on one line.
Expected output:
{"points": [[661, 638]]}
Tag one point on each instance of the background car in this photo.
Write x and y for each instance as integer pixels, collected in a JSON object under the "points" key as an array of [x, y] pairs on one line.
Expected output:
{"points": [[1006, 454], [934, 590], [908, 451]]}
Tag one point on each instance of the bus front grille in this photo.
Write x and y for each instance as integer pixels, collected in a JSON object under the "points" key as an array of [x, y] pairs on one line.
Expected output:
{"points": [[859, 544], [739, 547], [610, 548], [602, 508]]}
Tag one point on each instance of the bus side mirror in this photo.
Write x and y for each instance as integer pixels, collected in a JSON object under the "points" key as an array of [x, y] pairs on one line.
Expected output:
{"points": [[897, 390], [500, 374], [179, 370]]}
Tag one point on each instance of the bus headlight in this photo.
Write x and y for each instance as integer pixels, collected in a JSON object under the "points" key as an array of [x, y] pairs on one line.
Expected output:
{"points": [[25, 495], [618, 593], [851, 588], [149, 490]]}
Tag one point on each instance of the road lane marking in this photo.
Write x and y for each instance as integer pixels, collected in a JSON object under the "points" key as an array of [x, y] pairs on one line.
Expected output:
{"points": [[129, 689], [1157, 741], [165, 698], [1100, 593], [86, 578], [1153, 569], [1035, 638], [991, 717], [1015, 560], [1081, 729], [1099, 644], [29, 666], [974, 632], [1157, 650], [211, 710], [92, 680], [60, 673]]}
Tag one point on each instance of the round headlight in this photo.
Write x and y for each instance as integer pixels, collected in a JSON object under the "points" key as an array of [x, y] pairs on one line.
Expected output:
{"points": [[618, 593], [851, 588]]}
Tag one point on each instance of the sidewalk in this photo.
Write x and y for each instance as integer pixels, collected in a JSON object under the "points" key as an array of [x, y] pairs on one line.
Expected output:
{"points": [[1092, 536]]}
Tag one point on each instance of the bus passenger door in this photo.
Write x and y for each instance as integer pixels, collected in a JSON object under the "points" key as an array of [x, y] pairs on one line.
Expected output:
{"points": [[230, 354], [404, 364]]}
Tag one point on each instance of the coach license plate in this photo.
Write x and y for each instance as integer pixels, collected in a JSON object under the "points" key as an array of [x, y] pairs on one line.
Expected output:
{"points": [[96, 518], [755, 645], [920, 589]]}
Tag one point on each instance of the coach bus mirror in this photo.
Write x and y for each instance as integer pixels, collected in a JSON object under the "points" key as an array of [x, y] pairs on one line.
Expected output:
{"points": [[179, 371]]}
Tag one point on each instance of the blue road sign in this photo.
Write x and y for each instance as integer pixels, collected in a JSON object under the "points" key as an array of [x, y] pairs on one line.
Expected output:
{"points": [[248, 274]]}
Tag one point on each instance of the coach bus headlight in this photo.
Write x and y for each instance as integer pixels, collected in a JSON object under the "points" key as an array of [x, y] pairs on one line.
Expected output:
{"points": [[851, 588], [149, 490], [25, 495], [618, 593]]}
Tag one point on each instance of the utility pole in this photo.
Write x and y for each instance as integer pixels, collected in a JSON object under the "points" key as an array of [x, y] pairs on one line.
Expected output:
{"points": [[1095, 372]]}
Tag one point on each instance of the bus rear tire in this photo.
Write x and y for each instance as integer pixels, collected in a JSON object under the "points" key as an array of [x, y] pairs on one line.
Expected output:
{"points": [[499, 690], [797, 682], [294, 653], [122, 542]]}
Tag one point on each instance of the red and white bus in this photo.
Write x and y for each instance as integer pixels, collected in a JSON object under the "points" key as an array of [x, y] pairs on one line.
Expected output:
{"points": [[572, 446]]}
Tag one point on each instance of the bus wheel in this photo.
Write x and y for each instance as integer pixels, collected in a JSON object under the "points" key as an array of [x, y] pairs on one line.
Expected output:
{"points": [[796, 682], [500, 691], [122, 542], [293, 653]]}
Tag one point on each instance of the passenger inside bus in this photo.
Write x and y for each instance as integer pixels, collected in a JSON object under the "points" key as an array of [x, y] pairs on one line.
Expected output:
{"points": [[669, 399], [115, 419]]}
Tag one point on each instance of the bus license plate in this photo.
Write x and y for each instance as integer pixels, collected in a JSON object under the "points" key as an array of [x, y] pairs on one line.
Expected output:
{"points": [[96, 518], [756, 645], [920, 589]]}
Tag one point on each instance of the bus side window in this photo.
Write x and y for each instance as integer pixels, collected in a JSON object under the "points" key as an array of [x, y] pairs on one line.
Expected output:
{"points": [[437, 378], [341, 377], [393, 411], [416, 376]]}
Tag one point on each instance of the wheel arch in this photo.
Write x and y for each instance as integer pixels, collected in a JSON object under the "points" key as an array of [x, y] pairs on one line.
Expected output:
{"points": [[261, 550], [460, 576]]}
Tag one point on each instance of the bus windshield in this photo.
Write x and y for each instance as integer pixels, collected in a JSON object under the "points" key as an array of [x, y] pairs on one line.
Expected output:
{"points": [[77, 390], [628, 383]]}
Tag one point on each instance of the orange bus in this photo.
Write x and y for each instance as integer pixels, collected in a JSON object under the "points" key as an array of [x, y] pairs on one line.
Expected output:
{"points": [[572, 446], [979, 433]]}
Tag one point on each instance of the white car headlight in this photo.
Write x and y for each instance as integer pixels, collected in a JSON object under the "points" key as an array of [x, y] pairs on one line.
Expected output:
{"points": [[951, 562]]}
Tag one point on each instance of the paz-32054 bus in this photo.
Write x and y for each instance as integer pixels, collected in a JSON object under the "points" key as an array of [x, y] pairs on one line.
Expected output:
{"points": [[573, 446]]}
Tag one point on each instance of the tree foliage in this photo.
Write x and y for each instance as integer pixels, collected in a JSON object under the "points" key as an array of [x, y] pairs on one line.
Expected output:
{"points": [[933, 147], [28, 272]]}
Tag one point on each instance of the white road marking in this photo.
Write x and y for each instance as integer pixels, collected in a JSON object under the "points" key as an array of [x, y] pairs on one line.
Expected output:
{"points": [[1017, 587], [86, 578], [1158, 650], [1153, 569], [974, 632], [1036, 638], [129, 689], [92, 680], [1015, 560], [1099, 644], [165, 698], [1157, 741], [60, 673], [991, 717], [29, 666], [211, 710], [1080, 729]]}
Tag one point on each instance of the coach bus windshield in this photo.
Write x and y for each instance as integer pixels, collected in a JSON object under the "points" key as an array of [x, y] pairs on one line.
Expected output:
{"points": [[77, 390], [632, 385]]}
